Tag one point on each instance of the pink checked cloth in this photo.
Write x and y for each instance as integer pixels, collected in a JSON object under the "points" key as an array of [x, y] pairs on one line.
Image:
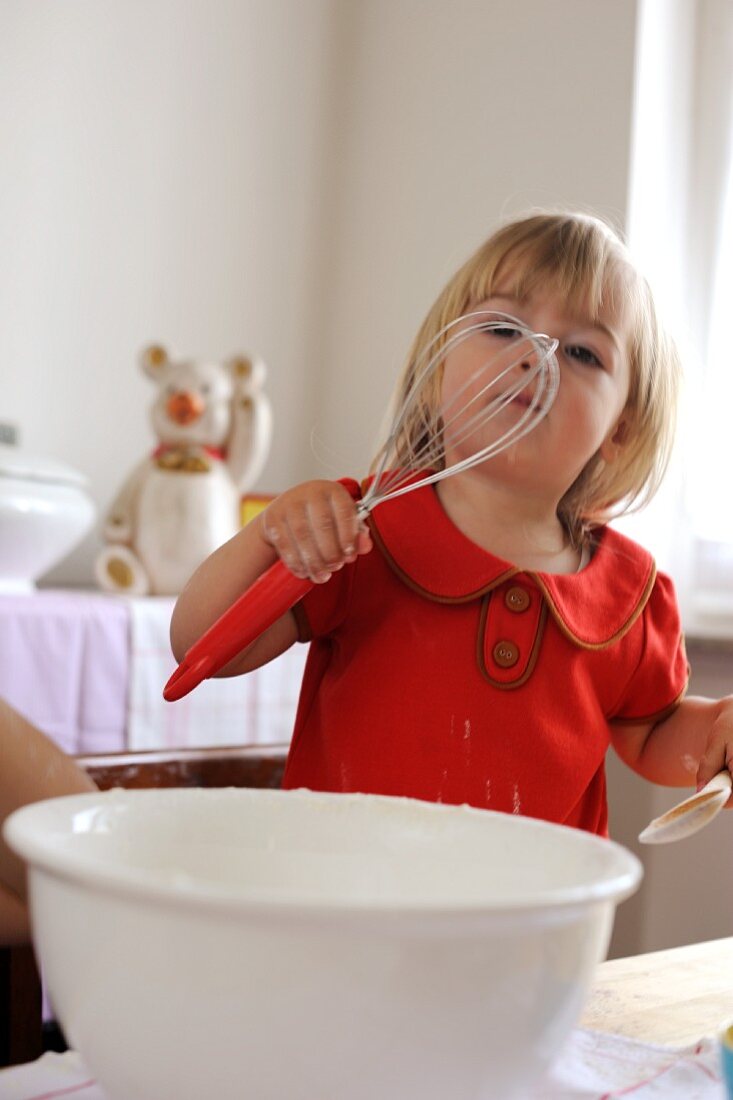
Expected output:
{"points": [[593, 1066], [64, 664], [257, 709], [88, 669]]}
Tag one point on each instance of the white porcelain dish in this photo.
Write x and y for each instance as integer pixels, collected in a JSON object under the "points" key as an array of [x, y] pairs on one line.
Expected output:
{"points": [[294, 946], [45, 510]]}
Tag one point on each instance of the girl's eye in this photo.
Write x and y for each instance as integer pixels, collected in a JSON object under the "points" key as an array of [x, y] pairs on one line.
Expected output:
{"points": [[583, 355], [505, 331]]}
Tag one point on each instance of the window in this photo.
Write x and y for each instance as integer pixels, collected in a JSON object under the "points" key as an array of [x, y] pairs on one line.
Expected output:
{"points": [[681, 231]]}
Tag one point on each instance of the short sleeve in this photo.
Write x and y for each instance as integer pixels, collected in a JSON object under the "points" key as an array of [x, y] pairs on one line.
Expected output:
{"points": [[660, 678], [324, 608]]}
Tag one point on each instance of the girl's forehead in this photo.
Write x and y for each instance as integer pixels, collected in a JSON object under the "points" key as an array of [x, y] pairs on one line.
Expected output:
{"points": [[603, 302]]}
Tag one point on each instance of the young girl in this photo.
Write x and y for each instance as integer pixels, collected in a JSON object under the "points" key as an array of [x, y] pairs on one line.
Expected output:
{"points": [[483, 640]]}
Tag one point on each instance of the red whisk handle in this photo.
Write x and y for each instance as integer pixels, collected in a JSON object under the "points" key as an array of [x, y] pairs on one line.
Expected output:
{"points": [[271, 595]]}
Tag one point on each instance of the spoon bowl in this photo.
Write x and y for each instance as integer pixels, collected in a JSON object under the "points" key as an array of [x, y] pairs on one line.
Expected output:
{"points": [[692, 814]]}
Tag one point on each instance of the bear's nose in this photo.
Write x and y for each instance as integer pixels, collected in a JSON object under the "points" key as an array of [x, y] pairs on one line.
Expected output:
{"points": [[184, 407]]}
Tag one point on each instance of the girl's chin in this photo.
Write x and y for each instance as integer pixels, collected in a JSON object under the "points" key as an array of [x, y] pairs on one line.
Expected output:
{"points": [[511, 471]]}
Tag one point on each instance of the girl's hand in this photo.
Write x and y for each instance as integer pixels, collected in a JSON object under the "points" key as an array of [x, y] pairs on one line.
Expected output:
{"points": [[718, 754], [315, 529]]}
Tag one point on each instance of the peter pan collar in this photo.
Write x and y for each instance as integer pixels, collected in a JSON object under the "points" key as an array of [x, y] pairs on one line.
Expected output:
{"points": [[428, 552]]}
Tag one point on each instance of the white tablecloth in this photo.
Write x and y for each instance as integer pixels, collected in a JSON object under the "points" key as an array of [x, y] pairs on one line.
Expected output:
{"points": [[255, 709], [64, 664], [593, 1066], [89, 669]]}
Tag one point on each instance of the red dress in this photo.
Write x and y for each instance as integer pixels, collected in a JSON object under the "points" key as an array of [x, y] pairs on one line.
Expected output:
{"points": [[438, 671]]}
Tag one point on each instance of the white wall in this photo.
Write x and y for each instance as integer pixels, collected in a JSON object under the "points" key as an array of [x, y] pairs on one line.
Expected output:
{"points": [[450, 116], [163, 166], [292, 177]]}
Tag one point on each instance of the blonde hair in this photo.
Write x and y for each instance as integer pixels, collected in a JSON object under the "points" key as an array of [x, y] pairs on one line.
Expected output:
{"points": [[580, 258]]}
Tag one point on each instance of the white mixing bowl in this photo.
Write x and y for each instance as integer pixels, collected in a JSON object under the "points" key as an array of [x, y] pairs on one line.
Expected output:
{"points": [[298, 946]]}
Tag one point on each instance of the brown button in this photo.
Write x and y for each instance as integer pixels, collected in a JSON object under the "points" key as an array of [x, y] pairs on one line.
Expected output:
{"points": [[517, 599], [506, 654]]}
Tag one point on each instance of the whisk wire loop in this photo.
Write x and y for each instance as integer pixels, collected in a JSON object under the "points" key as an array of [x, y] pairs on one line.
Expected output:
{"points": [[532, 368]]}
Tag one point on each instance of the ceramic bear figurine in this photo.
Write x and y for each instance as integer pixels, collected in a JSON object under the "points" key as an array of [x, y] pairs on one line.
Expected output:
{"points": [[213, 424]]}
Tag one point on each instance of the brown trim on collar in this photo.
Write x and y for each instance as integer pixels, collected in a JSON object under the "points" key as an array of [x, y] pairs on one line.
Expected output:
{"points": [[413, 584], [593, 608], [623, 629]]}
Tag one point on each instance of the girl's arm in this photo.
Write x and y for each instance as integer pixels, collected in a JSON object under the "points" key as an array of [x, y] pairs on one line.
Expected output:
{"points": [[689, 747], [313, 528]]}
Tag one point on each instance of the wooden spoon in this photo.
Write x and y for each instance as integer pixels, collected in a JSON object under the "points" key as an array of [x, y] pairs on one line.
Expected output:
{"points": [[692, 814]]}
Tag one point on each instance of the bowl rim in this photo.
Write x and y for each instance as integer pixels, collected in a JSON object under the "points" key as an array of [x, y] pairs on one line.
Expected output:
{"points": [[20, 832]]}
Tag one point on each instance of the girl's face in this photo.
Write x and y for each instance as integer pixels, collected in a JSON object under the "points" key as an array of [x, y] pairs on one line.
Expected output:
{"points": [[587, 414]]}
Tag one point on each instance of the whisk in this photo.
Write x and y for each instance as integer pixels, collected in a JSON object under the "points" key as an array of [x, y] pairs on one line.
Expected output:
{"points": [[512, 379]]}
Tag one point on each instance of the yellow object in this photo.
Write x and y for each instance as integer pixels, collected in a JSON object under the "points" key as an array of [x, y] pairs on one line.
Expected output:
{"points": [[252, 505], [120, 572], [726, 1060]]}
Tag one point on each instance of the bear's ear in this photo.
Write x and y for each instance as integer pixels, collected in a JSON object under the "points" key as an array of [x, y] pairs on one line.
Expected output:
{"points": [[241, 367], [152, 359], [248, 373]]}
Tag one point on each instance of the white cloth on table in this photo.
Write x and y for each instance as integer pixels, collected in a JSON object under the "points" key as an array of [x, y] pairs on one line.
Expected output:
{"points": [[597, 1066], [88, 668], [592, 1066], [64, 659], [53, 1075], [256, 709]]}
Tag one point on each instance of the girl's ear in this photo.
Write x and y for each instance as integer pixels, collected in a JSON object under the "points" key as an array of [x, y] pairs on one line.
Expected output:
{"points": [[615, 441]]}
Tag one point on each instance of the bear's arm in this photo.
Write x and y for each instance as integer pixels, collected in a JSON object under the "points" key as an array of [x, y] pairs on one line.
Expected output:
{"points": [[119, 522]]}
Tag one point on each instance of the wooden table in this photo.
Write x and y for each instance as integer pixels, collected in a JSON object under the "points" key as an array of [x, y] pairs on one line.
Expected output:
{"points": [[670, 997]]}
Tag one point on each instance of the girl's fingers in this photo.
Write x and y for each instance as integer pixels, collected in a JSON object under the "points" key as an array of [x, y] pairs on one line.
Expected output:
{"points": [[718, 756], [276, 532], [309, 546], [363, 541], [334, 527], [299, 549], [315, 530], [346, 526]]}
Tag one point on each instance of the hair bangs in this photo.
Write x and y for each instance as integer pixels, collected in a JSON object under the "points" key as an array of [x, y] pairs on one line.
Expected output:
{"points": [[577, 259]]}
